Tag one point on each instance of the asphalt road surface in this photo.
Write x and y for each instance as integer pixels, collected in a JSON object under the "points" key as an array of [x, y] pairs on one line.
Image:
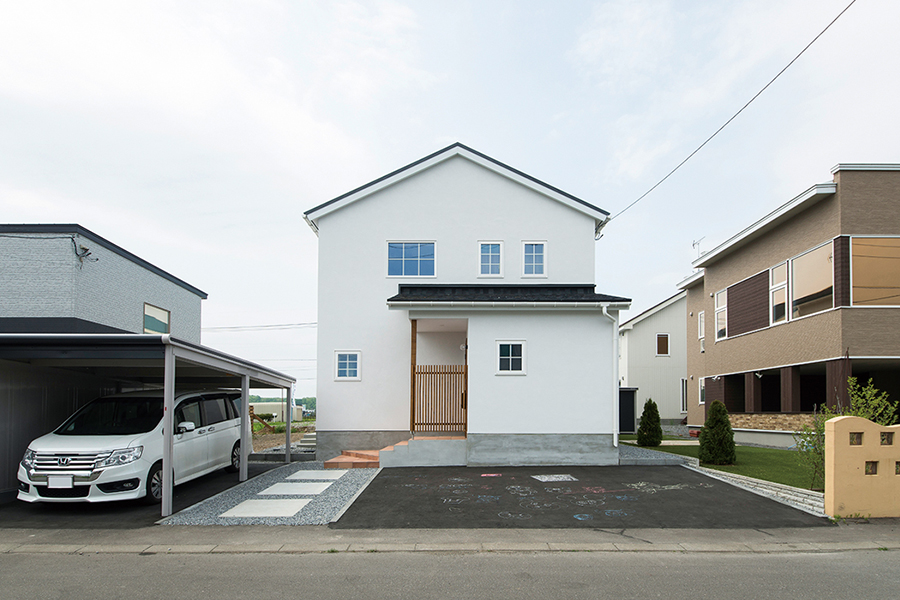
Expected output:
{"points": [[495, 576]]}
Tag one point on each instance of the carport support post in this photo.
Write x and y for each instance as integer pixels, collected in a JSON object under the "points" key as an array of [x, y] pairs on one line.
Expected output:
{"points": [[168, 429], [246, 439], [288, 417]]}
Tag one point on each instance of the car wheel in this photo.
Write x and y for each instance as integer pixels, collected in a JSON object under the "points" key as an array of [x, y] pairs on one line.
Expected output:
{"points": [[154, 485], [235, 465]]}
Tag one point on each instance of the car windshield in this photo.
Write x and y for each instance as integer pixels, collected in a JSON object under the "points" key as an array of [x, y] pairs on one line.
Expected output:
{"points": [[114, 416]]}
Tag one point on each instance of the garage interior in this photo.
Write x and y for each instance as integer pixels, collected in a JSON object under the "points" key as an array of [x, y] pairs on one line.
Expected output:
{"points": [[44, 378]]}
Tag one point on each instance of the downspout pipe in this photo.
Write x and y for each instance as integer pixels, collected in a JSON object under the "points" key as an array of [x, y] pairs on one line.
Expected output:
{"points": [[615, 373]]}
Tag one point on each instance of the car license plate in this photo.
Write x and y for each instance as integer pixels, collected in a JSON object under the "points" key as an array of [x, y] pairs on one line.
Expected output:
{"points": [[59, 481]]}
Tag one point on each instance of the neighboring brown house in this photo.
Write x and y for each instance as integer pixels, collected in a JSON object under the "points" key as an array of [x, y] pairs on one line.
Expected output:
{"points": [[782, 313]]}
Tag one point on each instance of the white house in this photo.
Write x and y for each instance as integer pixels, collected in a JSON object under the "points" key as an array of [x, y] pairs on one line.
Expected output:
{"points": [[653, 358], [456, 298]]}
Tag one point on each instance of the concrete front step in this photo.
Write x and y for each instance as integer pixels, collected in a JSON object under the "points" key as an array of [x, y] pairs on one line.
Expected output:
{"points": [[426, 451]]}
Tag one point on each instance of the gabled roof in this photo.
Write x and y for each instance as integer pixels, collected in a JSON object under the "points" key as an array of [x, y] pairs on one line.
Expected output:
{"points": [[630, 323], [312, 215], [71, 229]]}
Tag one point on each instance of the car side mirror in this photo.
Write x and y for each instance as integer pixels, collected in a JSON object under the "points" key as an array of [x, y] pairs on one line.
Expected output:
{"points": [[185, 426]]}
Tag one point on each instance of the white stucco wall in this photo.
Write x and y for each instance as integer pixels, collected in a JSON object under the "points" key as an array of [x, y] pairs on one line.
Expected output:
{"points": [[41, 277], [656, 377], [456, 204], [433, 348]]}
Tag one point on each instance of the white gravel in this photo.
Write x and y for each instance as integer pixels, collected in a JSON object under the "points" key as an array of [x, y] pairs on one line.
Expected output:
{"points": [[321, 509]]}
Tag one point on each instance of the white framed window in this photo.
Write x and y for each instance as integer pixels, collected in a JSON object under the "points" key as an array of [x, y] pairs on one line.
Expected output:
{"points": [[778, 276], [702, 390], [411, 259], [662, 344], [684, 394], [511, 357], [721, 315], [347, 365], [701, 325], [156, 319], [490, 259], [534, 259]]}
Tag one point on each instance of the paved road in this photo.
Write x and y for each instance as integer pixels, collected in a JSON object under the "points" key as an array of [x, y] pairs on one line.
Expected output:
{"points": [[495, 576]]}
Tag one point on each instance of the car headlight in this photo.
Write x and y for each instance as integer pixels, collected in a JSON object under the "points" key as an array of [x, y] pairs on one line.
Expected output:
{"points": [[121, 457], [28, 459]]}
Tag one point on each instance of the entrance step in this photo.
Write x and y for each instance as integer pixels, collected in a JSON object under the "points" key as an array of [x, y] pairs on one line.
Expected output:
{"points": [[354, 459]]}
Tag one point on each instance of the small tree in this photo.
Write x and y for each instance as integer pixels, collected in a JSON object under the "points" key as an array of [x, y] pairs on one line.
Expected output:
{"points": [[650, 431], [716, 437], [866, 402]]}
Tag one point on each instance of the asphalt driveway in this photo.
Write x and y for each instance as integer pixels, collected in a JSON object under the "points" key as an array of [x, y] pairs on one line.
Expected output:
{"points": [[563, 497]]}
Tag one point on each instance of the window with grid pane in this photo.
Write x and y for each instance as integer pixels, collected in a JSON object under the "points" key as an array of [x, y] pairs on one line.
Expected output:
{"points": [[490, 258], [346, 365], [511, 357], [411, 259], [534, 258]]}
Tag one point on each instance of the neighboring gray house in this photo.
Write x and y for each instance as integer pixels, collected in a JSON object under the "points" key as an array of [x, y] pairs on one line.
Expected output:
{"points": [[64, 283], [67, 279], [653, 358]]}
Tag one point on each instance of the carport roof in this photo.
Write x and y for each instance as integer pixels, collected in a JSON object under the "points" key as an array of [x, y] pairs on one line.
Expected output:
{"points": [[138, 358]]}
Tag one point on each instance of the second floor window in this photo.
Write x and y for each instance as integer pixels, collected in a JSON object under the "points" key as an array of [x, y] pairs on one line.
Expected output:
{"points": [[490, 263], [662, 344], [411, 259], [156, 320], [721, 315], [534, 258]]}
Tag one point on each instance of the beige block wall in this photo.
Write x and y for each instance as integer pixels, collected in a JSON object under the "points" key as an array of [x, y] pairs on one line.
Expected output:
{"points": [[848, 489]]}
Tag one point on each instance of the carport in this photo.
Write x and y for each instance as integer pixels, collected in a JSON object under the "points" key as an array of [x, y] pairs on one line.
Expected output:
{"points": [[139, 361]]}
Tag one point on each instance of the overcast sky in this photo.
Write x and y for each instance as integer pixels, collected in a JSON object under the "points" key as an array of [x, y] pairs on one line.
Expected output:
{"points": [[195, 134]]}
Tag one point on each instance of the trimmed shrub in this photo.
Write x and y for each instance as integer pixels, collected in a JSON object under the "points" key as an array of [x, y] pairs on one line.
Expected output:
{"points": [[650, 430], [716, 437], [266, 416]]}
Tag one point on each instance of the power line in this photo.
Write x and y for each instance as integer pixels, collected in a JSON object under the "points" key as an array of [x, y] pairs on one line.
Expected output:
{"points": [[734, 116], [263, 327]]}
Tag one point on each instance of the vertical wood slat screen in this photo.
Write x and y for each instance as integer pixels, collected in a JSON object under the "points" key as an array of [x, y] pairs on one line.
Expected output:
{"points": [[440, 398]]}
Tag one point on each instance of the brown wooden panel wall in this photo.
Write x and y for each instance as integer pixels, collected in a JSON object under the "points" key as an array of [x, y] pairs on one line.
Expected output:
{"points": [[841, 264], [748, 305]]}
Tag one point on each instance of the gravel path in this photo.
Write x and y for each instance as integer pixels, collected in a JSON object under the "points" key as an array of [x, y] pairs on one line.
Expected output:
{"points": [[321, 509]]}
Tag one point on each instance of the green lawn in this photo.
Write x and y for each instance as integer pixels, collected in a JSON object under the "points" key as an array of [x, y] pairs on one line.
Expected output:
{"points": [[770, 464]]}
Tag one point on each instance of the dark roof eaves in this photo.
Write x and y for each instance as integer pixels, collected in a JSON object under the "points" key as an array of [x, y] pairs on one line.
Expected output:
{"points": [[87, 233]]}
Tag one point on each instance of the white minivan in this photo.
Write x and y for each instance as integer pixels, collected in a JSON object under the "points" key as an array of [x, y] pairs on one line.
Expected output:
{"points": [[111, 448]]}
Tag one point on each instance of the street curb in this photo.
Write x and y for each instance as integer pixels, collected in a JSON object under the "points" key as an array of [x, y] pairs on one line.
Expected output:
{"points": [[460, 547]]}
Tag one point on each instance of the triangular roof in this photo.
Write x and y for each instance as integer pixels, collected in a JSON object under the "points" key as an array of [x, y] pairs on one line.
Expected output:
{"points": [[312, 215]]}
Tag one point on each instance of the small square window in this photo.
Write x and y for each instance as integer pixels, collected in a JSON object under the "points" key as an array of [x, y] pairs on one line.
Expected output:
{"points": [[662, 344], [510, 358], [156, 320], [887, 438], [534, 259], [871, 467], [490, 261], [856, 438], [897, 468], [347, 366]]}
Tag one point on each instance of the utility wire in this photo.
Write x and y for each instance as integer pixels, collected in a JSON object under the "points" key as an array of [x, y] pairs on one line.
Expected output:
{"points": [[734, 116]]}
